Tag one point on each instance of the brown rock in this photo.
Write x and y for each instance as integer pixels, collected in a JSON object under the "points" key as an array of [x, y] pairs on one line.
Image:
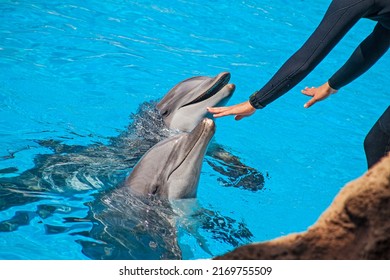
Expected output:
{"points": [[355, 226]]}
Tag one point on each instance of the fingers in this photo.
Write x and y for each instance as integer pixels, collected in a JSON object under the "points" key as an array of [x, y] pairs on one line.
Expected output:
{"points": [[222, 114], [220, 111], [240, 110], [313, 92], [310, 102], [216, 110], [309, 91], [223, 111]]}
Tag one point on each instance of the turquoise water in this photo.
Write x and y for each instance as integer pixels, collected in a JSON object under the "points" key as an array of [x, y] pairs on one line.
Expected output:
{"points": [[73, 72]]}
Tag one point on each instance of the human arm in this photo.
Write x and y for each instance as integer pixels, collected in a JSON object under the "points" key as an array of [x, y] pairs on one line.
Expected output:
{"points": [[338, 20], [365, 56]]}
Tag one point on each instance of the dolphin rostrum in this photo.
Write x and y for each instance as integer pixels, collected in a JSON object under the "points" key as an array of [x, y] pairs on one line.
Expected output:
{"points": [[171, 168]]}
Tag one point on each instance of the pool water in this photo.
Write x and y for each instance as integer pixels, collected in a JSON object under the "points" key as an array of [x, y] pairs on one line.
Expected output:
{"points": [[74, 75]]}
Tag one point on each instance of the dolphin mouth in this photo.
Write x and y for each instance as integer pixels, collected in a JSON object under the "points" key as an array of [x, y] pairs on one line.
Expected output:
{"points": [[222, 81]]}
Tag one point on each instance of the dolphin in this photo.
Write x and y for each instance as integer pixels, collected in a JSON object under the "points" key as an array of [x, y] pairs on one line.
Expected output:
{"points": [[171, 168], [184, 106], [156, 198]]}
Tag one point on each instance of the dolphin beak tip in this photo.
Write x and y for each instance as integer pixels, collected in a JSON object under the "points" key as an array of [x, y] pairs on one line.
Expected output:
{"points": [[209, 123], [231, 86], [227, 74]]}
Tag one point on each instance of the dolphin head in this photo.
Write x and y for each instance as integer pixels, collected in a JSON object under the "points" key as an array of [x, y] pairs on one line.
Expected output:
{"points": [[171, 168], [185, 105]]}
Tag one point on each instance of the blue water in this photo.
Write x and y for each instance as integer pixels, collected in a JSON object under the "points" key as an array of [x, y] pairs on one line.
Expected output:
{"points": [[73, 72]]}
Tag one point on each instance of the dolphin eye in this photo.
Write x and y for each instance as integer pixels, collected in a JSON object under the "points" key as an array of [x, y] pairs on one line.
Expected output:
{"points": [[165, 113]]}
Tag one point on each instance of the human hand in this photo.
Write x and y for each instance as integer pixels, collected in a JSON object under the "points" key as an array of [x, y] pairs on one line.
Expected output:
{"points": [[241, 110], [318, 94]]}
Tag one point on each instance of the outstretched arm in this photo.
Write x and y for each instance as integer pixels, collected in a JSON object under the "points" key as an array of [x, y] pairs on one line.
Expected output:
{"points": [[365, 56], [338, 20]]}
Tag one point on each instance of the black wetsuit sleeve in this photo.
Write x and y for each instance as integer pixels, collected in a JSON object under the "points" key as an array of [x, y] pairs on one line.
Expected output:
{"points": [[365, 56], [338, 20]]}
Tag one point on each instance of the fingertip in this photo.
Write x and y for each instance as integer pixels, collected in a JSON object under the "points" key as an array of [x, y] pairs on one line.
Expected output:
{"points": [[215, 110], [308, 104], [211, 110]]}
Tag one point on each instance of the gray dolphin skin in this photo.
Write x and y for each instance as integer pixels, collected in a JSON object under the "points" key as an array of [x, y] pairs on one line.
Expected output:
{"points": [[171, 168], [185, 105]]}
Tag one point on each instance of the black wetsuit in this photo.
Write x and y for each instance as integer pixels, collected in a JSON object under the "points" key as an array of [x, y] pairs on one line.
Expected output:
{"points": [[338, 20]]}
